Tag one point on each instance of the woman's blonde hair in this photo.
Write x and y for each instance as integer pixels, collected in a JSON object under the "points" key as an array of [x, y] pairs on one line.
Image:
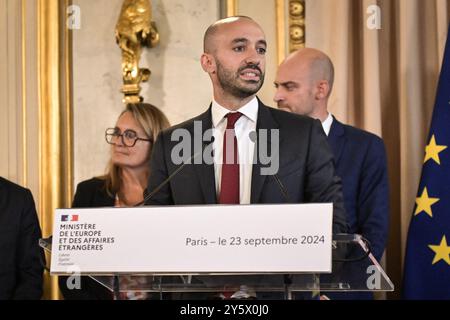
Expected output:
{"points": [[153, 121]]}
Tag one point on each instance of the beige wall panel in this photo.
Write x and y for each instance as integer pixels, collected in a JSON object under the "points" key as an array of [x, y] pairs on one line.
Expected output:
{"points": [[31, 100], [13, 73], [19, 153], [177, 85], [10, 101], [326, 32], [4, 165]]}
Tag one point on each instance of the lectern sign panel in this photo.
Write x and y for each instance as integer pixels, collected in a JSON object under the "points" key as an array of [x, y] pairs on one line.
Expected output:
{"points": [[193, 239]]}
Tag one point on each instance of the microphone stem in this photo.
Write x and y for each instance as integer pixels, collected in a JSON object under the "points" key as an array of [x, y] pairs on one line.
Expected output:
{"points": [[167, 180]]}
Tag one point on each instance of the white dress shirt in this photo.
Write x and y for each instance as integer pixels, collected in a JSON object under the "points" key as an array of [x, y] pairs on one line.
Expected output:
{"points": [[244, 125], [326, 125]]}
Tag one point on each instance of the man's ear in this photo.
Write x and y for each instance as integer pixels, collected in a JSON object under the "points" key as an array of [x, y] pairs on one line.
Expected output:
{"points": [[323, 88], [208, 63]]}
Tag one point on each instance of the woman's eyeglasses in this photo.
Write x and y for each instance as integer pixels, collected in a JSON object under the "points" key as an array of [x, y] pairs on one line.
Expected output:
{"points": [[129, 137]]}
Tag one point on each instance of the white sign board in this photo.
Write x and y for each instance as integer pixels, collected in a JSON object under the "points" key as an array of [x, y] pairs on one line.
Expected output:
{"points": [[285, 238]]}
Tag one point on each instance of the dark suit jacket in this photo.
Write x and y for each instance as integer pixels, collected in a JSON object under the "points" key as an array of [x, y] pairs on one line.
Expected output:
{"points": [[360, 161], [92, 193], [89, 193], [21, 259], [306, 167]]}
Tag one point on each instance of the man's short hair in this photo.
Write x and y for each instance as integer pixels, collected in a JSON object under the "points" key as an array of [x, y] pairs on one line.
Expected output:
{"points": [[212, 31]]}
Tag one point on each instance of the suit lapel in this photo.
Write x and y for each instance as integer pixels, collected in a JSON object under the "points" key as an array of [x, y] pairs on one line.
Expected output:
{"points": [[267, 122], [336, 139], [205, 172]]}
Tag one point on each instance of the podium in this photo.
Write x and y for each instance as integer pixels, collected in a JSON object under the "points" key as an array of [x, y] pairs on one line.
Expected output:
{"points": [[354, 269]]}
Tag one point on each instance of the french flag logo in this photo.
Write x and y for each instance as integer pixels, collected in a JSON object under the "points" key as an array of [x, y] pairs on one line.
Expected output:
{"points": [[69, 217]]}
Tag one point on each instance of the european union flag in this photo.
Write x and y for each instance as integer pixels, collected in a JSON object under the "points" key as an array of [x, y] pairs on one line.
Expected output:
{"points": [[427, 261]]}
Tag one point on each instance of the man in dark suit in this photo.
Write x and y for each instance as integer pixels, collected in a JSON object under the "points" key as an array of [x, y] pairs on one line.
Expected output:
{"points": [[21, 258], [234, 170], [234, 58], [304, 82]]}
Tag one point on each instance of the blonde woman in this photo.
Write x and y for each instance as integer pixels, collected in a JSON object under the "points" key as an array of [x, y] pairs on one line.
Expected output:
{"points": [[126, 178]]}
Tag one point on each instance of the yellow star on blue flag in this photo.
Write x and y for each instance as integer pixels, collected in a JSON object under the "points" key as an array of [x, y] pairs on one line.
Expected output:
{"points": [[442, 251], [432, 150], [427, 261], [424, 203]]}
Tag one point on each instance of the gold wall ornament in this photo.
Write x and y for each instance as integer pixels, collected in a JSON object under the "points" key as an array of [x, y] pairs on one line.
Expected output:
{"points": [[231, 8], [296, 24], [280, 9], [135, 30]]}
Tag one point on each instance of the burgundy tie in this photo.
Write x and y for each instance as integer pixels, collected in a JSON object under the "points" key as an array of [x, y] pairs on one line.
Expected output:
{"points": [[229, 186]]}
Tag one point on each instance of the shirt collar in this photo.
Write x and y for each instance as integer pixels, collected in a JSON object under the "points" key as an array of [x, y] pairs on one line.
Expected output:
{"points": [[250, 110], [327, 124]]}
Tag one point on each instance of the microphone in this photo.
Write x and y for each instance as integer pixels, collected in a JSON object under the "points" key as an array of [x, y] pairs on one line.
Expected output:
{"points": [[336, 237], [282, 188], [171, 176], [254, 138], [287, 278]]}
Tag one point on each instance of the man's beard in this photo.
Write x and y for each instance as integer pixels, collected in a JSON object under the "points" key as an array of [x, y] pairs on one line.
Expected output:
{"points": [[230, 82]]}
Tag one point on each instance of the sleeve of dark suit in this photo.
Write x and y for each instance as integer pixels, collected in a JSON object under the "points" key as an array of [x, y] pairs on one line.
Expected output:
{"points": [[373, 199], [322, 185], [159, 173], [30, 257]]}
